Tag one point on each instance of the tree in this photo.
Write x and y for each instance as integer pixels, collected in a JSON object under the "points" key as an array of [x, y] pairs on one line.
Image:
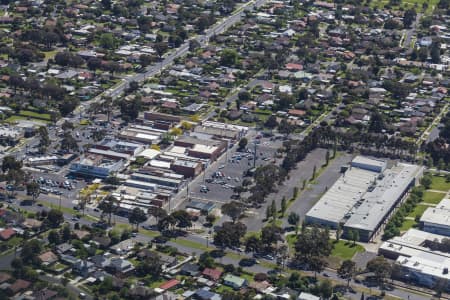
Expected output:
{"points": [[268, 213], [67, 125], [338, 232], [313, 244], [271, 122], [283, 205], [325, 289], [160, 48], [55, 217], [30, 251], [426, 180], [69, 143], [10, 163], [381, 268], [273, 209], [152, 266], [435, 52], [228, 57], [230, 234], [294, 220], [108, 207], [182, 218], [33, 189], [44, 141], [253, 244], [54, 238], [347, 270], [270, 235], [409, 17], [377, 123], [107, 41], [233, 209], [243, 143], [137, 216]]}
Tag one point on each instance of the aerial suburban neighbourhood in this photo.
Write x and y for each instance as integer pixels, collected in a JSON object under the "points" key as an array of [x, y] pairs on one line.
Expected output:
{"points": [[224, 149]]}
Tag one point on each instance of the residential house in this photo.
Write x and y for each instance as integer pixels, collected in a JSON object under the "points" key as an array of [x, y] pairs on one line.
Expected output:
{"points": [[31, 224], [190, 269], [48, 258], [234, 281], [120, 266], [206, 294], [18, 285], [45, 294], [169, 284], [83, 268], [124, 247], [213, 274], [64, 248], [7, 233]]}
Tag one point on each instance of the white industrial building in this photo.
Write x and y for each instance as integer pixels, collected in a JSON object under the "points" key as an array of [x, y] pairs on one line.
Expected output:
{"points": [[419, 264], [437, 219], [364, 196]]}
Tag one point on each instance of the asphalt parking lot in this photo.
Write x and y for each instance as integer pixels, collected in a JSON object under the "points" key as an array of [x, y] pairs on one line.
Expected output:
{"points": [[231, 169]]}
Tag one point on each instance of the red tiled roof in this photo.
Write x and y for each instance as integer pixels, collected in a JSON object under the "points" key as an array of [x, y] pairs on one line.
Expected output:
{"points": [[292, 66], [296, 112], [7, 233], [19, 285], [169, 284], [214, 274]]}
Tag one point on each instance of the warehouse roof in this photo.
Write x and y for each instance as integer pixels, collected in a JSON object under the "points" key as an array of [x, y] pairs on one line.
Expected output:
{"points": [[380, 201], [342, 195], [438, 215]]}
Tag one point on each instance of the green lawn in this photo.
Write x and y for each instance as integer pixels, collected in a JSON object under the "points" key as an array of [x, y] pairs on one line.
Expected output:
{"points": [[407, 224], [432, 197], [346, 250], [32, 114], [418, 211], [190, 244], [14, 119], [408, 4], [439, 183]]}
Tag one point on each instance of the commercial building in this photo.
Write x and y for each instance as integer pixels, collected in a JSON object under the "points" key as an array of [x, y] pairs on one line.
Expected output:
{"points": [[96, 166], [199, 148], [120, 146], [41, 160], [222, 130], [437, 219], [168, 181], [364, 197], [189, 169], [418, 262], [9, 136]]}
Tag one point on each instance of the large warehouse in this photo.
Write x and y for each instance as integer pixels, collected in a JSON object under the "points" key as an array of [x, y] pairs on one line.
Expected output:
{"points": [[364, 196], [437, 219], [418, 262]]}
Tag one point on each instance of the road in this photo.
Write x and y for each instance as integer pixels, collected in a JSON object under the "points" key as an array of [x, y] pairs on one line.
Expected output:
{"points": [[169, 58]]}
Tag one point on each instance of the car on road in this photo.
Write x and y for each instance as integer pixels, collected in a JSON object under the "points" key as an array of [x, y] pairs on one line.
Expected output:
{"points": [[247, 262], [160, 239], [75, 219], [221, 167]]}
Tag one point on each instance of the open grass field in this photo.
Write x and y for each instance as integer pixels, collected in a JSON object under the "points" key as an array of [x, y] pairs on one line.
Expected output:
{"points": [[418, 211], [440, 183], [407, 224], [35, 115], [345, 250], [432, 197], [405, 4]]}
